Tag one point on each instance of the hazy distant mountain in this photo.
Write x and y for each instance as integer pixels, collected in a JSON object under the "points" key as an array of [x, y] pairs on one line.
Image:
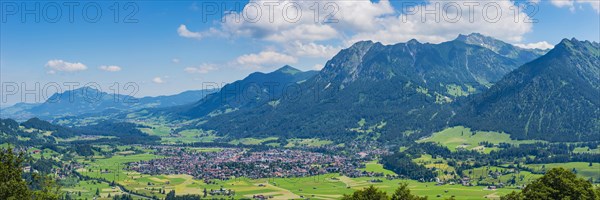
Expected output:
{"points": [[520, 55], [555, 97], [86, 100], [254, 90], [400, 88], [36, 131], [18, 110], [79, 101], [174, 100]]}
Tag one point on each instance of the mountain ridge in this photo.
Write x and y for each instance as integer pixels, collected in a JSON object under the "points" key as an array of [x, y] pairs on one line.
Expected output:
{"points": [[88, 100], [402, 87], [521, 55], [555, 97], [255, 89]]}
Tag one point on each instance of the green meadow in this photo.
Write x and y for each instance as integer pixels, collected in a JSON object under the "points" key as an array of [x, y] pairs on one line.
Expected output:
{"points": [[373, 166], [482, 175], [87, 190], [586, 150], [582, 169], [252, 141], [190, 136], [111, 168], [312, 142], [461, 137]]}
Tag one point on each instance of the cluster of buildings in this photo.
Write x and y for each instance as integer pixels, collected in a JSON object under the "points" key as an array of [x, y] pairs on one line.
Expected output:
{"points": [[237, 162]]}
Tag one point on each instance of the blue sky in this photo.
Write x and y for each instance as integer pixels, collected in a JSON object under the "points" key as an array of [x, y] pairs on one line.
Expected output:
{"points": [[170, 47]]}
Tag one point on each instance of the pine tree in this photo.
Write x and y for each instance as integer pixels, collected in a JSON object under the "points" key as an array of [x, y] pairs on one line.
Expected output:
{"points": [[12, 185], [68, 196], [370, 193], [403, 193], [558, 183]]}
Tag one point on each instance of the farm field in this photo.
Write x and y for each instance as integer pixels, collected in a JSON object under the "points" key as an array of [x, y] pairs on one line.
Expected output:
{"points": [[587, 150], [170, 136], [582, 169], [329, 186], [47, 153], [373, 166], [461, 137], [495, 175], [88, 189], [111, 169], [252, 141], [432, 191], [190, 136], [162, 131], [307, 142]]}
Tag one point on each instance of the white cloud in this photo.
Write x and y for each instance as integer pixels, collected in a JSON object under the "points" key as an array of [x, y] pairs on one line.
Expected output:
{"points": [[202, 69], [367, 20], [184, 32], [312, 49], [317, 67], [563, 3], [110, 68], [158, 80], [359, 20], [595, 4], [61, 65], [304, 32], [175, 60], [295, 20], [265, 58], [490, 18], [536, 45]]}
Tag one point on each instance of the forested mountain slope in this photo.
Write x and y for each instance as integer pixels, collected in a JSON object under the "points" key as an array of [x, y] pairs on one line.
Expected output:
{"points": [[555, 97], [405, 88]]}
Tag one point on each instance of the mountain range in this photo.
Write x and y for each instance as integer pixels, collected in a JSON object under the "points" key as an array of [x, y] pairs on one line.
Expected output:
{"points": [[407, 88], [392, 92], [87, 100]]}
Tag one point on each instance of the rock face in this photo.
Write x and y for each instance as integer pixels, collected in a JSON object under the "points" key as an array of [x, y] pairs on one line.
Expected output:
{"points": [[433, 66], [521, 55]]}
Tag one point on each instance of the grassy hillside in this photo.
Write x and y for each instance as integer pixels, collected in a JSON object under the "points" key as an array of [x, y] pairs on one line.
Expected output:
{"points": [[582, 169], [462, 137]]}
